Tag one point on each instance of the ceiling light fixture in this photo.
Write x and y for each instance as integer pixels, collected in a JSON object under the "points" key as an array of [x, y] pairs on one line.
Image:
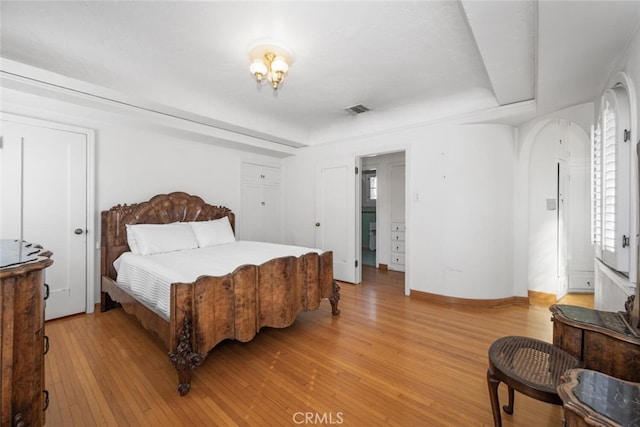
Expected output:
{"points": [[269, 61]]}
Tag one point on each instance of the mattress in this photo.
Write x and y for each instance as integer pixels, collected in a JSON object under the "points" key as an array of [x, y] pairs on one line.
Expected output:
{"points": [[149, 277]]}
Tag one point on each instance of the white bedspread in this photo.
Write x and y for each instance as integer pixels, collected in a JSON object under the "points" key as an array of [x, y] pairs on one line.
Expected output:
{"points": [[149, 277]]}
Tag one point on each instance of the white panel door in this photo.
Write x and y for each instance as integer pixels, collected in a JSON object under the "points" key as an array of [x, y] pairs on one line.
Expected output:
{"points": [[261, 212], [44, 201], [251, 212], [336, 215], [580, 251], [270, 205]]}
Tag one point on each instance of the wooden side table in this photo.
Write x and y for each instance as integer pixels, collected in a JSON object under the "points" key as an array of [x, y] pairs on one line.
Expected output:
{"points": [[592, 398]]}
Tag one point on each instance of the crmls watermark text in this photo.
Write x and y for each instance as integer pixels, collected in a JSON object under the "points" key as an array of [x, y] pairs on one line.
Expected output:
{"points": [[318, 418]]}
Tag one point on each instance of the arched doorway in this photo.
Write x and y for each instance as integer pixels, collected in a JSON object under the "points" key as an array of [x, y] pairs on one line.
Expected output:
{"points": [[560, 257]]}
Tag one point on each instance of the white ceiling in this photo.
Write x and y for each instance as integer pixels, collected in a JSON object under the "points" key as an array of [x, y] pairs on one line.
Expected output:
{"points": [[409, 62]]}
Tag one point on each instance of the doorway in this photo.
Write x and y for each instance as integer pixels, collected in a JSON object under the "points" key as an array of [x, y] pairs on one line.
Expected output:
{"points": [[381, 211], [338, 225], [559, 249]]}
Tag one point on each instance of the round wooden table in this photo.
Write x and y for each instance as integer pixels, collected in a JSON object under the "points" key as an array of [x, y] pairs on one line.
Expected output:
{"points": [[531, 366]]}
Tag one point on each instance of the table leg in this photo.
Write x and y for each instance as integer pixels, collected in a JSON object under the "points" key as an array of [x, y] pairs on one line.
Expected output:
{"points": [[509, 408], [493, 384]]}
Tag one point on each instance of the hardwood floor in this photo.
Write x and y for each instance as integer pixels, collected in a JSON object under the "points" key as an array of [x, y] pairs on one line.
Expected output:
{"points": [[386, 360], [582, 300]]}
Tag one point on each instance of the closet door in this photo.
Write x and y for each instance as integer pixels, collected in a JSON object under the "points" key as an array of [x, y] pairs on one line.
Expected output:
{"points": [[261, 202], [251, 212], [270, 205], [44, 200]]}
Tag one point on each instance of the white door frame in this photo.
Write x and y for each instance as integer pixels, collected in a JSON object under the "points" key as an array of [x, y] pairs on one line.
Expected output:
{"points": [[562, 227], [92, 236]]}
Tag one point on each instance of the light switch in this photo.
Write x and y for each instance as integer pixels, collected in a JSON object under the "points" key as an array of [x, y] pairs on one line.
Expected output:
{"points": [[551, 204]]}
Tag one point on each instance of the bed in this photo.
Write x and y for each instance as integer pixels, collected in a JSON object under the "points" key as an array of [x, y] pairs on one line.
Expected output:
{"points": [[212, 308]]}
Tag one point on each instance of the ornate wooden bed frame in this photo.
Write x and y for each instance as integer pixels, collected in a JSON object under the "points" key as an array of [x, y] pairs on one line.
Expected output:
{"points": [[212, 309]]}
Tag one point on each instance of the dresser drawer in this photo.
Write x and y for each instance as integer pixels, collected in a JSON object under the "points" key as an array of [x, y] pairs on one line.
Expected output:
{"points": [[397, 236], [397, 246], [397, 258], [398, 226]]}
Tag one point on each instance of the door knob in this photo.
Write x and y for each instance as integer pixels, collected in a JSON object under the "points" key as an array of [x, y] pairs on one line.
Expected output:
{"points": [[317, 224], [78, 231]]}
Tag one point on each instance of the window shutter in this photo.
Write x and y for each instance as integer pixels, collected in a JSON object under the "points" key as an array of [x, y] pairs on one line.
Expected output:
{"points": [[609, 163], [596, 188], [611, 159]]}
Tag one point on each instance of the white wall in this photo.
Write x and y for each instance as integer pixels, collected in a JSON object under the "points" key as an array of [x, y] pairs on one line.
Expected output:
{"points": [[460, 230], [134, 163], [462, 224]]}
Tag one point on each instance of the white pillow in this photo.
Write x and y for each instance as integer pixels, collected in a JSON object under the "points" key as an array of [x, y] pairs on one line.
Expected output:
{"points": [[214, 232], [159, 238], [131, 240]]}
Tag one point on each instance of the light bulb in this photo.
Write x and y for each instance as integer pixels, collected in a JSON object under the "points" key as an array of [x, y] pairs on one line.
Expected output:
{"points": [[258, 69], [279, 65]]}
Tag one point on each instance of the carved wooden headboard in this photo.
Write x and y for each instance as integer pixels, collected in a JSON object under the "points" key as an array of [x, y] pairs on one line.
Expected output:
{"points": [[161, 209]]}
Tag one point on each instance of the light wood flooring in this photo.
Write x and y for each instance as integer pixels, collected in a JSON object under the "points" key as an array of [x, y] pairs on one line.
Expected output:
{"points": [[386, 360]]}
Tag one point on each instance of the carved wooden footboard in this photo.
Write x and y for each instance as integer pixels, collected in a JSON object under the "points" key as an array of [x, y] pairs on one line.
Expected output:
{"points": [[238, 305], [211, 309]]}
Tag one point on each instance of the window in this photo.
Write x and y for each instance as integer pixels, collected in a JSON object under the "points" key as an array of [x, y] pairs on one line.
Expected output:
{"points": [[610, 173], [373, 187]]}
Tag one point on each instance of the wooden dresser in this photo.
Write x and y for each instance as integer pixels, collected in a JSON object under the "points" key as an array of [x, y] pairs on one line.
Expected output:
{"points": [[23, 343], [603, 340]]}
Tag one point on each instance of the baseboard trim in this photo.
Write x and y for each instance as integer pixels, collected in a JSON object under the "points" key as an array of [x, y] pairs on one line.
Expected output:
{"points": [[542, 298], [466, 302]]}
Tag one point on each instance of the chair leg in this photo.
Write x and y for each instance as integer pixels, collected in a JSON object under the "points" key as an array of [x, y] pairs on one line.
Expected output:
{"points": [[493, 384], [509, 408]]}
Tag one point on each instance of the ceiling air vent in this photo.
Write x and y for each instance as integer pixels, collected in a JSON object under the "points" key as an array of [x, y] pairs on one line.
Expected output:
{"points": [[356, 109]]}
